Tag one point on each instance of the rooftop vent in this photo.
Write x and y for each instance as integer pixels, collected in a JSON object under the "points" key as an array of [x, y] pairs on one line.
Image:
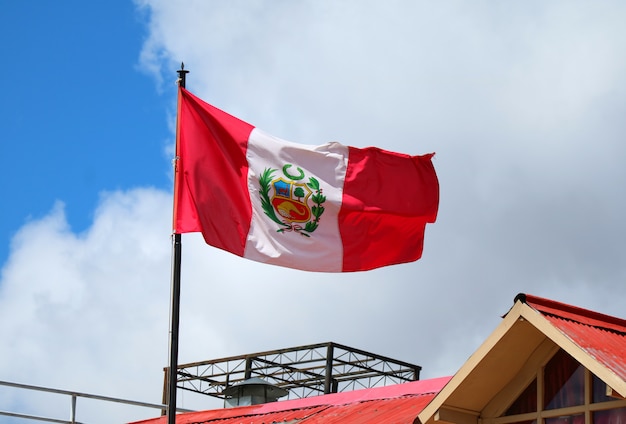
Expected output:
{"points": [[252, 391]]}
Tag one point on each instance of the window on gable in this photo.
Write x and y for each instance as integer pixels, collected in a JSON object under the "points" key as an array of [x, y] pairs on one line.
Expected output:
{"points": [[564, 382], [566, 419], [610, 416], [563, 392], [599, 391]]}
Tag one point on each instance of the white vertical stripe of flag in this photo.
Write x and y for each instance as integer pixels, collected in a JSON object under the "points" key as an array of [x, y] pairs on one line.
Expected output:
{"points": [[323, 250]]}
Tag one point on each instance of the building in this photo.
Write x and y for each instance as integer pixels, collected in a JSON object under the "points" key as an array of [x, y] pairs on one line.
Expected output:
{"points": [[546, 363]]}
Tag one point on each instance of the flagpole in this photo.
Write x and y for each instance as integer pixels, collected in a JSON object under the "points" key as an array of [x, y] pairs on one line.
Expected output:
{"points": [[175, 297]]}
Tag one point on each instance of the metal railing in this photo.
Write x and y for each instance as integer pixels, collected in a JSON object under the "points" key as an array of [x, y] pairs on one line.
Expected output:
{"points": [[74, 396]]}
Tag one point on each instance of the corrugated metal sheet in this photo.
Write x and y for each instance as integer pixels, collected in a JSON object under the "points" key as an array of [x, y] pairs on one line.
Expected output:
{"points": [[575, 313], [293, 416], [383, 411], [606, 346], [602, 336], [396, 404], [240, 415]]}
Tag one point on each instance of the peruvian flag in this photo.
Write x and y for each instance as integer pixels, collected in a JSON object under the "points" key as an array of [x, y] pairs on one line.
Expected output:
{"points": [[327, 208]]}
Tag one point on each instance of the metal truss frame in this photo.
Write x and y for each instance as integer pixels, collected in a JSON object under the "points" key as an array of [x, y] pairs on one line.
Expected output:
{"points": [[304, 371]]}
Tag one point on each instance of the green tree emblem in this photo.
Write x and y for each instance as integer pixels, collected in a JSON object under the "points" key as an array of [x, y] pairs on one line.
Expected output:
{"points": [[299, 193]]}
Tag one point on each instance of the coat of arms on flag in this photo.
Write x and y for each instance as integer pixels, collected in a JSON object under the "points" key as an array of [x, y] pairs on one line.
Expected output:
{"points": [[295, 201]]}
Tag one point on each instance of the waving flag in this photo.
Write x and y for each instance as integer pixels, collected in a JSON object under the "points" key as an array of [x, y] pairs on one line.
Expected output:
{"points": [[328, 208]]}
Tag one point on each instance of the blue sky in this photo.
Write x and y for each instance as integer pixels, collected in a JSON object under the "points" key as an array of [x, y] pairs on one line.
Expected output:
{"points": [[78, 115], [523, 104]]}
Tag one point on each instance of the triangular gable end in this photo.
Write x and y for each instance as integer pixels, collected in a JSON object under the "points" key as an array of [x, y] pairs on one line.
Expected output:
{"points": [[596, 341], [498, 371]]}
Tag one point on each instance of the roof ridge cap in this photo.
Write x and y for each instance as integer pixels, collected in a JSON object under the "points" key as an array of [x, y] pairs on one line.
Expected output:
{"points": [[573, 313]]}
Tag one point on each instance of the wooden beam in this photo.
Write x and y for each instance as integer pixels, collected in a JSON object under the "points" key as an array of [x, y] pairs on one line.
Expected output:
{"points": [[612, 393], [453, 416]]}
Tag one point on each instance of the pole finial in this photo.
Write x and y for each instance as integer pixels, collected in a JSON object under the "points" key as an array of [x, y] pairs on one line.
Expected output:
{"points": [[182, 73]]}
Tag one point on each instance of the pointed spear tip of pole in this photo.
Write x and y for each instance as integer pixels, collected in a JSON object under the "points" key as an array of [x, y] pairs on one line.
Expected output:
{"points": [[182, 69]]}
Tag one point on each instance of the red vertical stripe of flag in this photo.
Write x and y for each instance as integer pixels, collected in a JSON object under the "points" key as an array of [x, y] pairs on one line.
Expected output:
{"points": [[212, 171], [388, 199]]}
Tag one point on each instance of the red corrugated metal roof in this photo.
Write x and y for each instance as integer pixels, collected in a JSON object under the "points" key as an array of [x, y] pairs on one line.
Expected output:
{"points": [[603, 337], [243, 415], [396, 411], [395, 404]]}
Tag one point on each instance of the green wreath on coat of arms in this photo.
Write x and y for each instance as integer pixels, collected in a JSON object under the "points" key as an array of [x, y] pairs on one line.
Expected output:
{"points": [[291, 200]]}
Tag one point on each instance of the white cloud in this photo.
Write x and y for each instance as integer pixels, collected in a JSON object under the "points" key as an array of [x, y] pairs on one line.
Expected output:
{"points": [[88, 312], [523, 105]]}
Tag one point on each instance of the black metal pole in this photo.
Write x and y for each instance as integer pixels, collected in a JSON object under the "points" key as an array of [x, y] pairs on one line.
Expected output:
{"points": [[175, 308], [330, 360]]}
